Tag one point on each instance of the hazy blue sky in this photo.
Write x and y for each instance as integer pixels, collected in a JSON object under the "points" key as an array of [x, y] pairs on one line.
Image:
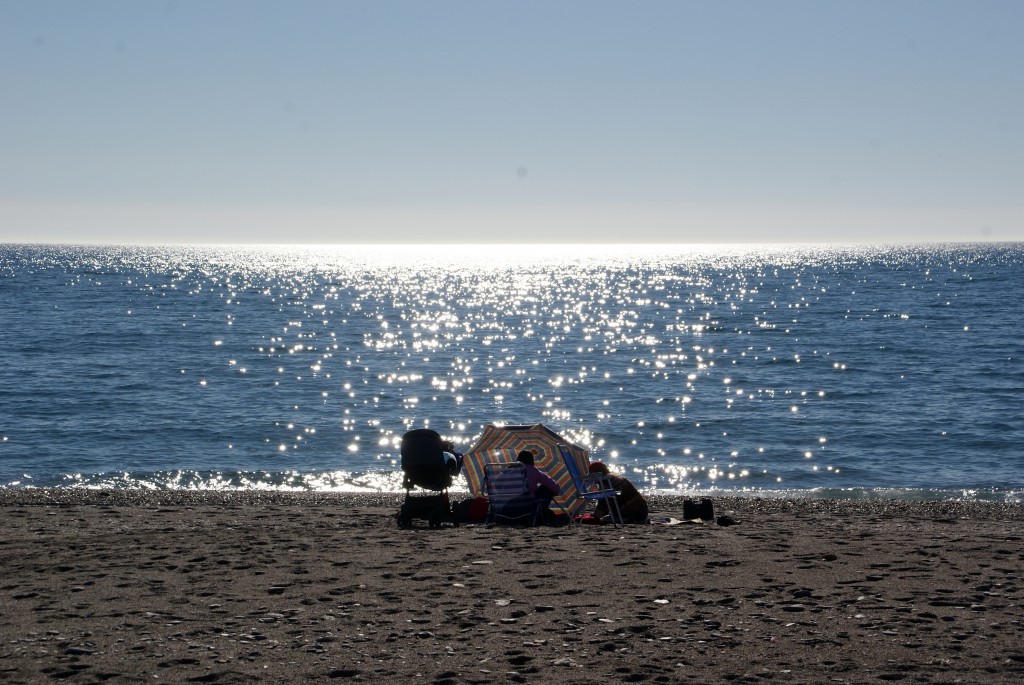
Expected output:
{"points": [[475, 121]]}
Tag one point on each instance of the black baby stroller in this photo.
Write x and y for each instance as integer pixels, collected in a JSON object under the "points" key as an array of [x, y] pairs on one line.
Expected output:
{"points": [[425, 464]]}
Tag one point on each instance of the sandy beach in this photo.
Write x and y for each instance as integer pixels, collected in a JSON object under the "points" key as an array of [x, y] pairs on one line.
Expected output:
{"points": [[132, 587]]}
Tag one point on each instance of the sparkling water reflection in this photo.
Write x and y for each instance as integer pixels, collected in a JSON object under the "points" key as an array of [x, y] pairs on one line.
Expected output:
{"points": [[752, 369]]}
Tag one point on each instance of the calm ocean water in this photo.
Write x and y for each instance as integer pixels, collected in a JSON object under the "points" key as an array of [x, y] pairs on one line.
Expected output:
{"points": [[807, 370]]}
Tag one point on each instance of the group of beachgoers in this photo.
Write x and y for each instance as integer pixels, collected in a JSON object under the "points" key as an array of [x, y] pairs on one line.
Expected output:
{"points": [[631, 504]]}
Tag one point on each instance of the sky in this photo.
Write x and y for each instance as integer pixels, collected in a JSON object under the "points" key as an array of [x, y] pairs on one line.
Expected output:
{"points": [[434, 121]]}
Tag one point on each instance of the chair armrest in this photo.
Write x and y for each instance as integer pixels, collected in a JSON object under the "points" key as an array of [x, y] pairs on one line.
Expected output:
{"points": [[600, 480]]}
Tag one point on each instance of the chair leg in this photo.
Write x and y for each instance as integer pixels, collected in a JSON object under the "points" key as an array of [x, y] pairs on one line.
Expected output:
{"points": [[578, 520], [562, 507], [585, 511], [615, 512]]}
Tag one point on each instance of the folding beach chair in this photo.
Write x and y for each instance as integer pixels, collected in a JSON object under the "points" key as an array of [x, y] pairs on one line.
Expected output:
{"points": [[592, 488], [508, 495]]}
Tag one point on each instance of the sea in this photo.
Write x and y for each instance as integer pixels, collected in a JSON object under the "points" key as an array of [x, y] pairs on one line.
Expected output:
{"points": [[813, 371]]}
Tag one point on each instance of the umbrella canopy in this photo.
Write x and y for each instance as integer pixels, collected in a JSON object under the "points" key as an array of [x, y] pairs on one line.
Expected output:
{"points": [[501, 444]]}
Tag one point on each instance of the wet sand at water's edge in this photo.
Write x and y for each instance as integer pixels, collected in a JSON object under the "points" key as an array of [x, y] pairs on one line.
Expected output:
{"points": [[133, 587]]}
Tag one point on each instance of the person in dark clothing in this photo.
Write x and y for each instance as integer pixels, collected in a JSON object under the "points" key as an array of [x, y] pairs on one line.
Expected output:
{"points": [[631, 503], [452, 457]]}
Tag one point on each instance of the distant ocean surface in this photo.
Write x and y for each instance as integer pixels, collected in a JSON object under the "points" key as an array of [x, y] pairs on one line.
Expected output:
{"points": [[808, 371]]}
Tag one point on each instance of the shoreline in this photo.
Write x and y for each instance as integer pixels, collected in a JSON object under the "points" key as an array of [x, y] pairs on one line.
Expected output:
{"points": [[269, 587], [313, 484], [659, 504]]}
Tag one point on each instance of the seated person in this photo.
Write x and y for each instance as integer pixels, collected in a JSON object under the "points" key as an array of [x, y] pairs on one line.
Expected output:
{"points": [[452, 457], [631, 503], [542, 486], [520, 491]]}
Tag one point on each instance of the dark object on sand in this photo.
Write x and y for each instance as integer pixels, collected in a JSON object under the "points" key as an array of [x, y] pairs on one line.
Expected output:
{"points": [[425, 465], [727, 521], [703, 510], [435, 509], [470, 510]]}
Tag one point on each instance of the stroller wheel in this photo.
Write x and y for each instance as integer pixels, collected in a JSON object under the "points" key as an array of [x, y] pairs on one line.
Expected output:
{"points": [[435, 520]]}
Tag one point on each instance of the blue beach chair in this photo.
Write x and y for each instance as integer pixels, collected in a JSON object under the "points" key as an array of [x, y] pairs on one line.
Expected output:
{"points": [[592, 488]]}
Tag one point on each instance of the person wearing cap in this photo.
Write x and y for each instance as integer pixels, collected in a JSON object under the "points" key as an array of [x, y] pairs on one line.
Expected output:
{"points": [[631, 503]]}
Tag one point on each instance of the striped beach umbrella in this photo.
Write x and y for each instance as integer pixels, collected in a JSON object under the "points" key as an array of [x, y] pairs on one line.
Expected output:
{"points": [[501, 444]]}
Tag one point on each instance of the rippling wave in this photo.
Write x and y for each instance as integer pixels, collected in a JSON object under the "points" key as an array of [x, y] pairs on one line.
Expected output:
{"points": [[850, 371]]}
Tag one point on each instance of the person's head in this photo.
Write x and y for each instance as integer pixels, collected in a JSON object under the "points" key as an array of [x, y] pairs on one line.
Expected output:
{"points": [[598, 467], [525, 457]]}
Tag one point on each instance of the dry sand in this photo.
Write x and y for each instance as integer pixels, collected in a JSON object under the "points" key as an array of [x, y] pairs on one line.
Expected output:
{"points": [[233, 588]]}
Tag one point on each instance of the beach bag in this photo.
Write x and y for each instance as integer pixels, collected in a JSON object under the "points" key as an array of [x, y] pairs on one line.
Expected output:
{"points": [[703, 510]]}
